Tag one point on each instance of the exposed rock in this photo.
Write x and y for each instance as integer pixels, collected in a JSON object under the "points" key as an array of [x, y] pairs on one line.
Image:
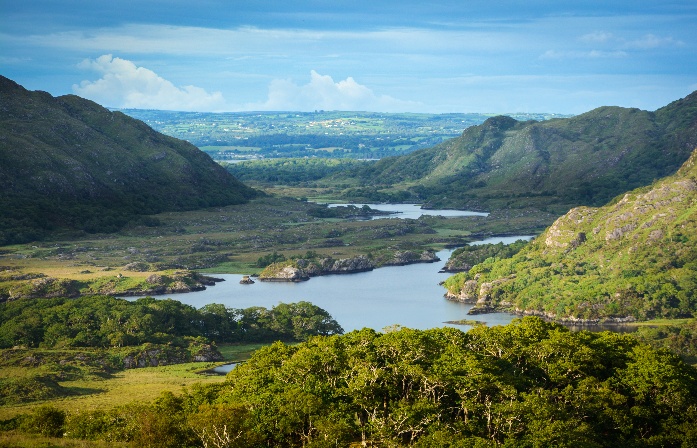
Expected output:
{"points": [[619, 232], [207, 353], [656, 235], [137, 266], [350, 265], [154, 279], [469, 291], [563, 232], [405, 257], [246, 280], [303, 269], [154, 356], [287, 273]]}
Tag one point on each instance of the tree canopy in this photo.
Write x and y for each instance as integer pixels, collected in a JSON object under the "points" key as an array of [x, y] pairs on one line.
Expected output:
{"points": [[527, 384], [104, 321]]}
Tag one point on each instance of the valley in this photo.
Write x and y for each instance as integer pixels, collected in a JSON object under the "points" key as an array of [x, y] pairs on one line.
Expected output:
{"points": [[98, 206], [231, 240]]}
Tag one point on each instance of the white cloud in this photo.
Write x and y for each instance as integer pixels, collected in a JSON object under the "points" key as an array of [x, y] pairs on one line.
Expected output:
{"points": [[651, 41], [597, 37], [124, 84], [591, 54], [645, 42], [322, 93]]}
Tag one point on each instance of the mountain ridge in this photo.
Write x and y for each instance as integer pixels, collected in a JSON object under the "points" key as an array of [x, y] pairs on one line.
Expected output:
{"points": [[634, 258], [557, 164], [68, 163]]}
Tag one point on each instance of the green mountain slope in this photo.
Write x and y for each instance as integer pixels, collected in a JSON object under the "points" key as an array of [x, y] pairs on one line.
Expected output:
{"points": [[68, 163], [560, 163], [636, 258]]}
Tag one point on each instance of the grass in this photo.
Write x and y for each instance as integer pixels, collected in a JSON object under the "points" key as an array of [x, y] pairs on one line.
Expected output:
{"points": [[239, 352], [92, 391], [123, 387], [658, 323], [14, 440]]}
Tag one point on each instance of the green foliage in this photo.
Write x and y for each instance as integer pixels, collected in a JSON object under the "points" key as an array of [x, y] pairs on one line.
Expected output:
{"points": [[311, 135], [46, 420], [679, 339], [464, 258], [530, 383], [268, 259], [103, 321], [633, 258], [289, 171], [33, 388]]}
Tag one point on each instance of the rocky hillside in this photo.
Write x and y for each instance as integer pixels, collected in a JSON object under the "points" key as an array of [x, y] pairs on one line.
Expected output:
{"points": [[555, 164], [635, 258], [68, 163]]}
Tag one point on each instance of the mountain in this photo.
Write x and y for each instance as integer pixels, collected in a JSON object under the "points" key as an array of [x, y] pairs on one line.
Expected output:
{"points": [[555, 164], [68, 163], [635, 258]]}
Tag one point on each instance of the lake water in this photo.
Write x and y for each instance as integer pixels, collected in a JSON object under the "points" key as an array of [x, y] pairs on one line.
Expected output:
{"points": [[395, 295], [409, 296], [502, 239], [412, 211]]}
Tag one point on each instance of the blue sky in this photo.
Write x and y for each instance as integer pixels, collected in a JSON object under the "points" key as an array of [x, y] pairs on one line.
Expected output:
{"points": [[392, 56]]}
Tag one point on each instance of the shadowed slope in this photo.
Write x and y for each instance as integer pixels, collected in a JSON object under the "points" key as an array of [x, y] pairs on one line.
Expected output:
{"points": [[68, 163]]}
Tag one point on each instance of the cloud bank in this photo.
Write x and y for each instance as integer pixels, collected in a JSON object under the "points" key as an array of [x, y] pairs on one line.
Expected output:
{"points": [[125, 85], [323, 93]]}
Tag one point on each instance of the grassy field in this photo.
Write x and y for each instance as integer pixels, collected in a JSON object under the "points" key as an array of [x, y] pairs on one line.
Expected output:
{"points": [[92, 391]]}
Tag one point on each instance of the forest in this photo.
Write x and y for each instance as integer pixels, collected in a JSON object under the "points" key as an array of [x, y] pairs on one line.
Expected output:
{"points": [[527, 384], [103, 321]]}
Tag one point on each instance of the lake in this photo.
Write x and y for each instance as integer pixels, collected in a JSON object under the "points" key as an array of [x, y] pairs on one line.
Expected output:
{"points": [[412, 211], [409, 296], [395, 295]]}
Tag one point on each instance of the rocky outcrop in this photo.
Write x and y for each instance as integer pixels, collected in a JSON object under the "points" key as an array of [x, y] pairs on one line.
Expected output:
{"points": [[302, 269], [283, 272], [45, 287], [562, 233], [484, 303], [163, 355], [117, 285], [246, 280], [158, 284], [468, 293], [404, 257]]}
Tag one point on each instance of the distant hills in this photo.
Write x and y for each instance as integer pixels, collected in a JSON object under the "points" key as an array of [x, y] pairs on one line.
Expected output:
{"points": [[318, 134], [68, 163], [633, 258], [554, 164]]}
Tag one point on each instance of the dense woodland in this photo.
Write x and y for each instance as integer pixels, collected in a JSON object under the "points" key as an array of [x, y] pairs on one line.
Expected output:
{"points": [[464, 258], [530, 383], [103, 321]]}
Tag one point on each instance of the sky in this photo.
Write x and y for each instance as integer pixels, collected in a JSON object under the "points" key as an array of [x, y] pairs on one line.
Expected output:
{"points": [[462, 56]]}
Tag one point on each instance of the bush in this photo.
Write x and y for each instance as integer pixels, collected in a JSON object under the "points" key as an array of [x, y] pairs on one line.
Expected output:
{"points": [[46, 420]]}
